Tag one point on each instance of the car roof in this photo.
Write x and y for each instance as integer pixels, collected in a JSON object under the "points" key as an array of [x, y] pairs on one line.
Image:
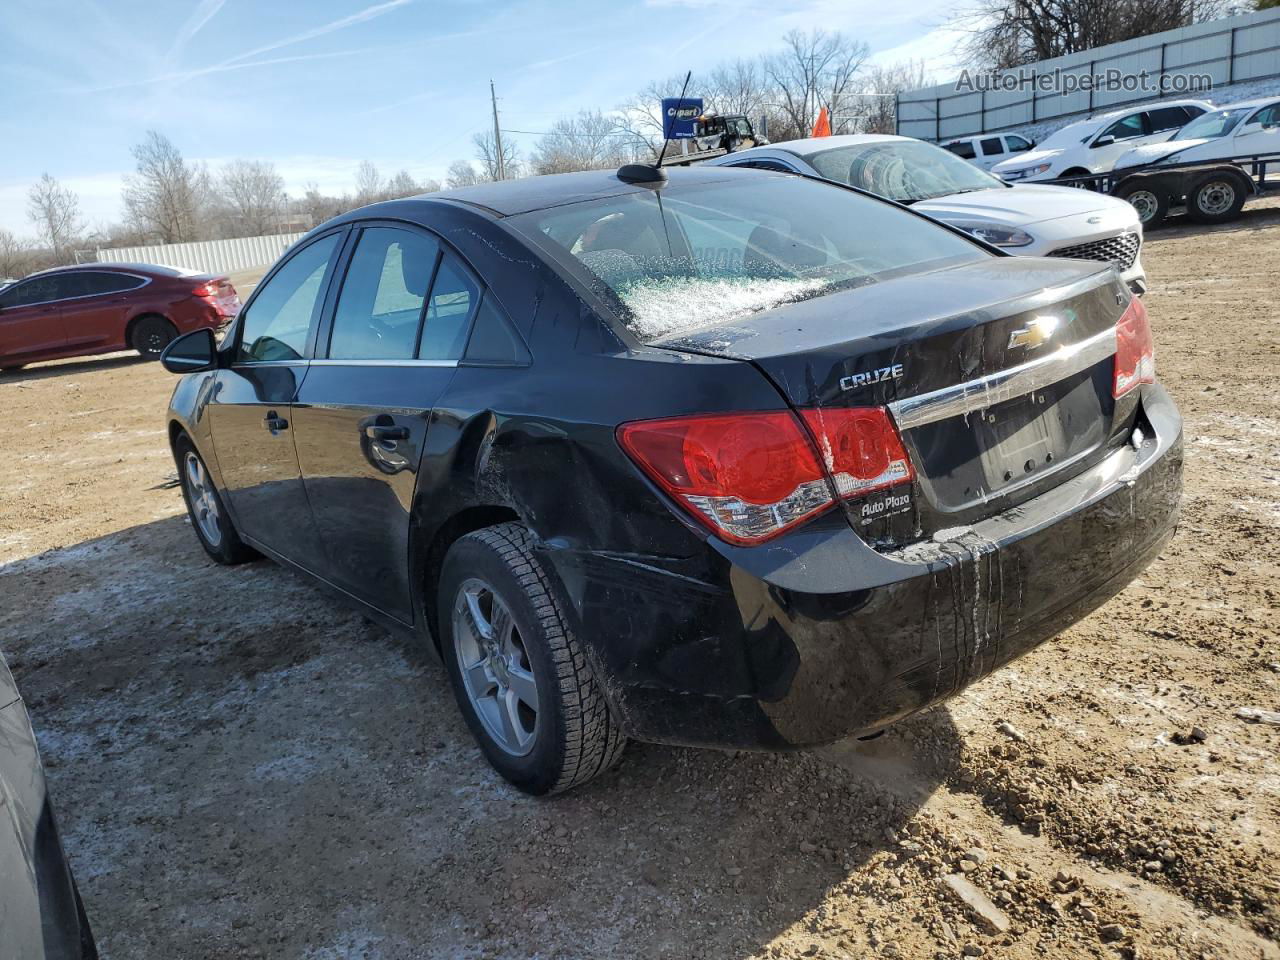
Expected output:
{"points": [[507, 198], [1246, 104], [154, 269], [1136, 107], [808, 145]]}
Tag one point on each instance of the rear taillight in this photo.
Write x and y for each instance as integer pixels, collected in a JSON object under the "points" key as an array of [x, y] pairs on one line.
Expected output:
{"points": [[1135, 350], [213, 288], [860, 447], [750, 476]]}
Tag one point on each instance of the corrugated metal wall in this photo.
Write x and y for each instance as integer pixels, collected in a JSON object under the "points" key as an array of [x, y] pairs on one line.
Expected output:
{"points": [[1230, 50], [209, 256]]}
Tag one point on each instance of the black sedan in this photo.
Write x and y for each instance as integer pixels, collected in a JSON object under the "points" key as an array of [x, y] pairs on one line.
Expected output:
{"points": [[730, 458]]}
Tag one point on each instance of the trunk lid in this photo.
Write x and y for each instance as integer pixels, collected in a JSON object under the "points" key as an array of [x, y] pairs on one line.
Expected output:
{"points": [[997, 373]]}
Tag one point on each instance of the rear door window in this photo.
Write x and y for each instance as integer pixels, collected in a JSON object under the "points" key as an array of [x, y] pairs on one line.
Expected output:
{"points": [[453, 299], [1167, 118], [379, 310], [274, 327], [992, 146], [95, 283]]}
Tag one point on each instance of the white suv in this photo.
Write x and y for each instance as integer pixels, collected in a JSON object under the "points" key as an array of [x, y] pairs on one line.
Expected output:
{"points": [[1094, 145], [985, 152]]}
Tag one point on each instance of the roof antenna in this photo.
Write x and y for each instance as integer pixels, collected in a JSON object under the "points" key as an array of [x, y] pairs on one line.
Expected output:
{"points": [[643, 172]]}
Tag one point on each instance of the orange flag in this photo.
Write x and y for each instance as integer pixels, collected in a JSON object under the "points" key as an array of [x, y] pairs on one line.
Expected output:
{"points": [[823, 127]]}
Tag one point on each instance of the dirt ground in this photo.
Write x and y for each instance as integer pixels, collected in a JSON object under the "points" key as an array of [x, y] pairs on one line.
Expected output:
{"points": [[244, 769]]}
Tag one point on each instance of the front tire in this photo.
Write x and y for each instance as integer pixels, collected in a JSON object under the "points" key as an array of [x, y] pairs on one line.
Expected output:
{"points": [[151, 335], [209, 518], [520, 676]]}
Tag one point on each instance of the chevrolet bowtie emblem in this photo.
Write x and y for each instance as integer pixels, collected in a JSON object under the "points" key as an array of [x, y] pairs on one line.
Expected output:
{"points": [[1036, 332]]}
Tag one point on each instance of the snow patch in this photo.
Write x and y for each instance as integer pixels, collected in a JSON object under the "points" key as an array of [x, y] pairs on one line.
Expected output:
{"points": [[667, 305]]}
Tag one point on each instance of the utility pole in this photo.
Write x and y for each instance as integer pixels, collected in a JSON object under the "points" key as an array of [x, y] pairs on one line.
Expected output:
{"points": [[497, 135]]}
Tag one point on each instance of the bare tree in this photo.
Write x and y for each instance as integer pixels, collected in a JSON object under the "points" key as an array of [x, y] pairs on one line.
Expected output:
{"points": [[462, 174], [487, 154], [815, 70], [1011, 33], [879, 101], [166, 196], [369, 185], [253, 194], [589, 141], [55, 211], [17, 257], [317, 207], [641, 116], [739, 87], [404, 185]]}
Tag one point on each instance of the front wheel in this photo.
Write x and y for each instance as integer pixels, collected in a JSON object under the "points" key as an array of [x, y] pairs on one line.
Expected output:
{"points": [[1151, 205], [151, 335], [213, 527], [1215, 198], [520, 676]]}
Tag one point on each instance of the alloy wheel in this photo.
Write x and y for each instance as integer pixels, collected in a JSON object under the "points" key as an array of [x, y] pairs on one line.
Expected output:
{"points": [[204, 505], [496, 672]]}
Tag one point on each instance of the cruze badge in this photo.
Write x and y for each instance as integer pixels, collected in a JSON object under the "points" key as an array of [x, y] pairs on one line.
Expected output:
{"points": [[1037, 331], [856, 380]]}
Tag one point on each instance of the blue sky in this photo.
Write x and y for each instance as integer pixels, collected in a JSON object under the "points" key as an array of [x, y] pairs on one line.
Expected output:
{"points": [[317, 87]]}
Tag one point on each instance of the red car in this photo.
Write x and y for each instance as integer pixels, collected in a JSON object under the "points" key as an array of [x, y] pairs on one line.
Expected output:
{"points": [[102, 307]]}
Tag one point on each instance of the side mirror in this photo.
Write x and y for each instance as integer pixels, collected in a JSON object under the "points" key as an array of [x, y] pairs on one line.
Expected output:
{"points": [[191, 353], [1106, 141]]}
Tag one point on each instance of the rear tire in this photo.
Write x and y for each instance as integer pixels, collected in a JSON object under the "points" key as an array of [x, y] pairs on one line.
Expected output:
{"points": [[1215, 198], [151, 335], [209, 518], [1152, 205], [520, 676]]}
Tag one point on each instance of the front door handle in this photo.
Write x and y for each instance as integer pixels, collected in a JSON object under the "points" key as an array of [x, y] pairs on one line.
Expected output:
{"points": [[275, 423], [385, 433]]}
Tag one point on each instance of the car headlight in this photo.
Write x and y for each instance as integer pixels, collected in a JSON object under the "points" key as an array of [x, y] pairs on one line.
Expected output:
{"points": [[1028, 171], [996, 235]]}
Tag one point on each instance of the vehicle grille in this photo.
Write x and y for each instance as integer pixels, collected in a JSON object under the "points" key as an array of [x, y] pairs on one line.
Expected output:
{"points": [[1121, 250]]}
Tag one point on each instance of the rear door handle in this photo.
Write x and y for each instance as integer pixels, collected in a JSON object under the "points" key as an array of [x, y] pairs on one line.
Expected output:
{"points": [[275, 423], [376, 432]]}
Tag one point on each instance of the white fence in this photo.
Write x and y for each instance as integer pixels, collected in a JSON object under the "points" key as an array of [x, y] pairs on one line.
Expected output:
{"points": [[1229, 51], [209, 256]]}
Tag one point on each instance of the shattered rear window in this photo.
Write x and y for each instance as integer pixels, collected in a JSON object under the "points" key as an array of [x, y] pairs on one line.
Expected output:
{"points": [[690, 256]]}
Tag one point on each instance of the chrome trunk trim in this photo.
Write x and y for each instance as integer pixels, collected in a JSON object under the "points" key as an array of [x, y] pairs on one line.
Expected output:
{"points": [[965, 398]]}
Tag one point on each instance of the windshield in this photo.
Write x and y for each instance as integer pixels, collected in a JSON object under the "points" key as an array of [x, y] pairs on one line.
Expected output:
{"points": [[902, 170], [701, 254], [1209, 126], [1069, 136]]}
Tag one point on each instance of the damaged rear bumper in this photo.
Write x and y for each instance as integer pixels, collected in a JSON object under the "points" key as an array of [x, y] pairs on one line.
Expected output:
{"points": [[826, 638]]}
